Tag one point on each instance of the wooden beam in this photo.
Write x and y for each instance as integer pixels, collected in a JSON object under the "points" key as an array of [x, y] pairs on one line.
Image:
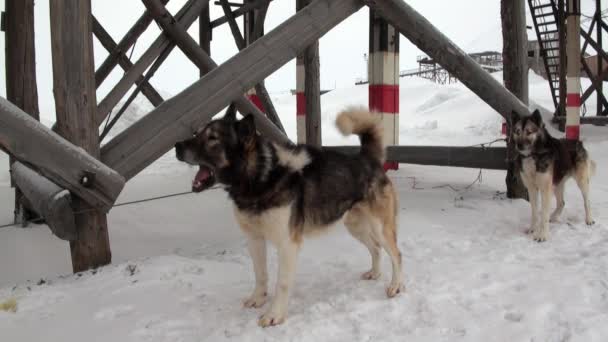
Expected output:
{"points": [[21, 85], [239, 12], [186, 16], [177, 118], [57, 159], [312, 88], [74, 90], [109, 44], [50, 201], [261, 91], [125, 43], [440, 48], [492, 158], [205, 33], [196, 54]]}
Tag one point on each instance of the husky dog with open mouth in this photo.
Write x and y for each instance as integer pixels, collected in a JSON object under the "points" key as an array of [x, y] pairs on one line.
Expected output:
{"points": [[282, 193], [545, 164]]}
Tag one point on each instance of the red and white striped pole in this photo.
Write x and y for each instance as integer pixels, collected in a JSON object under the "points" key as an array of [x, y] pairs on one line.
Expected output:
{"points": [[248, 25], [300, 100], [383, 78], [573, 80]]}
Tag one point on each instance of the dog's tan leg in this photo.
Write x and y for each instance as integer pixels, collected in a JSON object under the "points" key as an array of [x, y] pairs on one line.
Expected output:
{"points": [[389, 243], [582, 180], [360, 229], [287, 255], [559, 200], [545, 183], [257, 250], [533, 195]]}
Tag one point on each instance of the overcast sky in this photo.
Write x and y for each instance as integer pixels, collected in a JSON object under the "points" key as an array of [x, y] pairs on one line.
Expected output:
{"points": [[474, 25]]}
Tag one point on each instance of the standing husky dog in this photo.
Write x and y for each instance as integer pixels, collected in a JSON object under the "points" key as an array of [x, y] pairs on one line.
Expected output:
{"points": [[282, 193], [545, 164]]}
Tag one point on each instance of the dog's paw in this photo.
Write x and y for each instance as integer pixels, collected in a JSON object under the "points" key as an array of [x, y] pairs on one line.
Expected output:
{"points": [[589, 221], [371, 275], [256, 300], [540, 236], [394, 289], [271, 318], [554, 218], [530, 231]]}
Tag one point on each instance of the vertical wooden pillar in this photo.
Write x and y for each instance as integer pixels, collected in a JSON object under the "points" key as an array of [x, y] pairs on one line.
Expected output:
{"points": [[573, 86], [249, 27], [205, 33], [561, 27], [75, 104], [384, 78], [600, 59], [300, 100], [515, 76], [21, 88]]}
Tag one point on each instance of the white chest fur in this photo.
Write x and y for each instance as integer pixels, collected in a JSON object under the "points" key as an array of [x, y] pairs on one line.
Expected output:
{"points": [[528, 171]]}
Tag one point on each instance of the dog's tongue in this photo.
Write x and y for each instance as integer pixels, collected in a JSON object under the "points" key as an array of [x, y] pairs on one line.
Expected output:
{"points": [[202, 180]]}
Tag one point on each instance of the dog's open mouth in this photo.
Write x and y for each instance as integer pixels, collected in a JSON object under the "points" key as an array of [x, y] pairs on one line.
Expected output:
{"points": [[203, 180]]}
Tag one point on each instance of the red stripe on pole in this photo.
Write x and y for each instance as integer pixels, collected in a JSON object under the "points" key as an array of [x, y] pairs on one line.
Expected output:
{"points": [[300, 104], [572, 132], [389, 165], [573, 100], [256, 101], [503, 129], [384, 98]]}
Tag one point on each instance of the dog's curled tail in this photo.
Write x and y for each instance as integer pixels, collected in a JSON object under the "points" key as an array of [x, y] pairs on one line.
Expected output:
{"points": [[368, 126]]}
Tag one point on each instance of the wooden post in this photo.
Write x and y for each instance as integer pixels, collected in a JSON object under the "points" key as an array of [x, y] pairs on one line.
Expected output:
{"points": [[561, 27], [383, 70], [515, 76], [600, 60], [311, 111], [21, 88], [573, 97], [205, 34], [75, 100]]}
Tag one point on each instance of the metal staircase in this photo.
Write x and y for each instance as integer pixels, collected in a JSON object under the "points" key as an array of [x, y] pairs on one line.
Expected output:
{"points": [[545, 18]]}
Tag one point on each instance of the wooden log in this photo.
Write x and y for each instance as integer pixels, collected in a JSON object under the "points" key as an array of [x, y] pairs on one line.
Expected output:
{"points": [[177, 118], [441, 49], [205, 34], [56, 158], [109, 44], [75, 100], [125, 43], [21, 85], [515, 76], [239, 12], [50, 201], [186, 16], [312, 91], [205, 63], [492, 158]]}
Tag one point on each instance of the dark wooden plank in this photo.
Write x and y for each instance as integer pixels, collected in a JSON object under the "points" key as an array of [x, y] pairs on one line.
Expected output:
{"points": [[205, 32], [239, 12], [440, 48], [75, 100], [52, 202], [196, 54], [125, 43], [186, 16], [56, 158], [312, 91], [177, 118], [21, 86], [492, 158], [109, 44]]}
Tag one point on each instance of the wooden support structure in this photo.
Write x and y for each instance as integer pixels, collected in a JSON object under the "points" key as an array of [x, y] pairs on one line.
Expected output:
{"points": [[109, 44], [573, 82], [57, 159], [259, 95], [204, 62], [515, 76], [21, 86], [492, 158], [75, 100], [239, 12], [205, 34], [186, 16], [439, 47], [177, 118], [50, 201]]}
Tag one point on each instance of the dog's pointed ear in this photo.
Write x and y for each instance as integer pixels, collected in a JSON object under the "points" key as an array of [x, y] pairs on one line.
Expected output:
{"points": [[230, 113], [246, 127], [537, 118]]}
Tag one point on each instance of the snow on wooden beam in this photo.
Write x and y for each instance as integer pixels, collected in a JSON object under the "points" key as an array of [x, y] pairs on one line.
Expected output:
{"points": [[49, 200], [177, 118], [69, 166], [429, 39]]}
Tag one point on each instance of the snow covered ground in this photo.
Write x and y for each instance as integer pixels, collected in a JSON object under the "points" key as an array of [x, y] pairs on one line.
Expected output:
{"points": [[181, 267]]}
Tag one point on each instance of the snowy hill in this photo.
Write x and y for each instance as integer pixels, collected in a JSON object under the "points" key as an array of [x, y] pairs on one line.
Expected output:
{"points": [[181, 267]]}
